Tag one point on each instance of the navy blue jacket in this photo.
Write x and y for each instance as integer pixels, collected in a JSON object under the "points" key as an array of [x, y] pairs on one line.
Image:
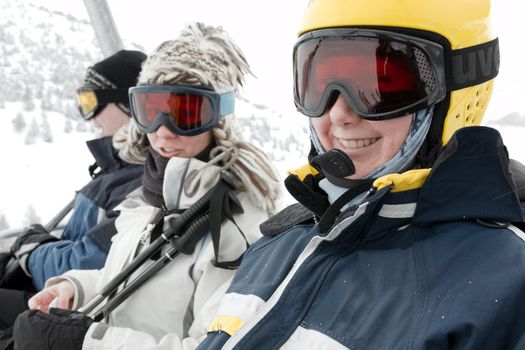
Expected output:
{"points": [[86, 238], [429, 260]]}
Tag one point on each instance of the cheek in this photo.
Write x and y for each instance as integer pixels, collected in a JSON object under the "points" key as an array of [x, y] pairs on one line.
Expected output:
{"points": [[321, 126], [152, 138], [395, 132], [196, 144]]}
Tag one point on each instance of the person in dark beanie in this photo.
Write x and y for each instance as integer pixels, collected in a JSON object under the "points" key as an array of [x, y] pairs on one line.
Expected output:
{"points": [[84, 243]]}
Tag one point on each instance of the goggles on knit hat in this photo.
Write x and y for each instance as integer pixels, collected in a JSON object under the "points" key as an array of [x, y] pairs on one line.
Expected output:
{"points": [[91, 100], [107, 81]]}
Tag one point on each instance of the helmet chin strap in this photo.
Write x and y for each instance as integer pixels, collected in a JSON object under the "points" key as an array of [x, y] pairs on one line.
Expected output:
{"points": [[405, 156]]}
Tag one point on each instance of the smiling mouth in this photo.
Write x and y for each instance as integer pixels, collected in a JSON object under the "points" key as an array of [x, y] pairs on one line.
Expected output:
{"points": [[167, 149], [356, 144]]}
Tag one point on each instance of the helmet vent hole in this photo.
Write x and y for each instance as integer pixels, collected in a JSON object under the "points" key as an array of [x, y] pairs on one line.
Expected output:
{"points": [[477, 93], [458, 116], [468, 107]]}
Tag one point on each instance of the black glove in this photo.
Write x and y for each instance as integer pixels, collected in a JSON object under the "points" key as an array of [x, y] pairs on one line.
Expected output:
{"points": [[58, 330], [27, 241], [4, 259], [6, 339], [12, 276]]}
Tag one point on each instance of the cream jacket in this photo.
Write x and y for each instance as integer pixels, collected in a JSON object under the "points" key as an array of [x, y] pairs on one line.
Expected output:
{"points": [[173, 308]]}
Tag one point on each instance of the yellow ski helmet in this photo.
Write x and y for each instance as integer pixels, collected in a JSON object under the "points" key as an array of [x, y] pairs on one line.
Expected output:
{"points": [[461, 26]]}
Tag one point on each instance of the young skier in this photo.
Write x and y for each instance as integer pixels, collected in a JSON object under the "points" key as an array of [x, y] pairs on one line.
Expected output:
{"points": [[405, 237], [182, 108]]}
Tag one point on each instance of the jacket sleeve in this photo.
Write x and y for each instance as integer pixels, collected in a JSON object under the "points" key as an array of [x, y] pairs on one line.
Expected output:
{"points": [[84, 281], [85, 215], [55, 258], [103, 336], [79, 247], [209, 285]]}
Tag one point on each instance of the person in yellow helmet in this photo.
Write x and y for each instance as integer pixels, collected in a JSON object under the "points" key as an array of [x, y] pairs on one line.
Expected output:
{"points": [[406, 232]]}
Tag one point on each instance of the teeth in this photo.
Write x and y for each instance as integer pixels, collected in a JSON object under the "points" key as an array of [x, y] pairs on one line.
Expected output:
{"points": [[355, 144], [168, 149]]}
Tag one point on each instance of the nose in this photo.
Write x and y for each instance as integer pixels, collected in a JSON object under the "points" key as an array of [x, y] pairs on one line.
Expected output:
{"points": [[341, 114], [164, 132]]}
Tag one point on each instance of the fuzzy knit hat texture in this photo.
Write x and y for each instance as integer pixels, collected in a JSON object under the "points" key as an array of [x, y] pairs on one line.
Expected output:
{"points": [[120, 70], [207, 55], [200, 55]]}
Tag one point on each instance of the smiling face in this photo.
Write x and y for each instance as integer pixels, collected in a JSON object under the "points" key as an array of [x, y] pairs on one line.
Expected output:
{"points": [[169, 144], [369, 144]]}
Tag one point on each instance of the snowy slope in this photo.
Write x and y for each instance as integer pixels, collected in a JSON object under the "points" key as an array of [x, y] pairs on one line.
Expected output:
{"points": [[45, 56]]}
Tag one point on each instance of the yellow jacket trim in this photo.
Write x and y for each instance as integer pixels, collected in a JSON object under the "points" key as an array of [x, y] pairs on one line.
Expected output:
{"points": [[228, 324], [304, 171], [409, 180]]}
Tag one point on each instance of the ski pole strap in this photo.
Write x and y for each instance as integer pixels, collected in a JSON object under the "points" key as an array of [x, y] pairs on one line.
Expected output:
{"points": [[223, 205]]}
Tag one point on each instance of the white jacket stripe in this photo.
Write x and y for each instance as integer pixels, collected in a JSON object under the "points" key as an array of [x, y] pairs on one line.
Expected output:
{"points": [[304, 338], [310, 248]]}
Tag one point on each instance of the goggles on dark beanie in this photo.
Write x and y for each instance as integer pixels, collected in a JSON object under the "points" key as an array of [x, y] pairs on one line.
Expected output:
{"points": [[118, 72]]}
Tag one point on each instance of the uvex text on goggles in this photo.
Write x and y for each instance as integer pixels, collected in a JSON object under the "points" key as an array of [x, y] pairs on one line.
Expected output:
{"points": [[92, 100], [184, 110], [383, 74]]}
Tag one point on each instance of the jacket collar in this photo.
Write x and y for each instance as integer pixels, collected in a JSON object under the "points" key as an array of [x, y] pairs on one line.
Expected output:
{"points": [[470, 180], [106, 157]]}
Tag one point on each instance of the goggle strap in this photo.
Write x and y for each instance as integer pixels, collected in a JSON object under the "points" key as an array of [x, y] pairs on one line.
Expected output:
{"points": [[227, 103], [473, 65], [112, 96]]}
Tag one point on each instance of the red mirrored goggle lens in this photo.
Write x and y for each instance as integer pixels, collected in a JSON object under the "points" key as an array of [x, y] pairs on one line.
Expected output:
{"points": [[379, 76], [186, 111]]}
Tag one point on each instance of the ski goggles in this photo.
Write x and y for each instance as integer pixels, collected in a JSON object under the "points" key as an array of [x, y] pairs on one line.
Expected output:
{"points": [[91, 100], [381, 74], [184, 110]]}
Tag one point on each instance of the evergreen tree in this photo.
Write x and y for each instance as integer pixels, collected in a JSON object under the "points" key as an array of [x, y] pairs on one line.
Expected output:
{"points": [[31, 217], [46, 129], [81, 126], [19, 123], [3, 222], [28, 102], [32, 133], [68, 126]]}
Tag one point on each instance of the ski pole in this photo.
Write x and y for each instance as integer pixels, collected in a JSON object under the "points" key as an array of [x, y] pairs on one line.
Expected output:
{"points": [[175, 227], [183, 244], [55, 220]]}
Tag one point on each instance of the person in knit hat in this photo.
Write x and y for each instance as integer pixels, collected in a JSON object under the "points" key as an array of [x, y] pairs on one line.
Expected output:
{"points": [[183, 130], [85, 241]]}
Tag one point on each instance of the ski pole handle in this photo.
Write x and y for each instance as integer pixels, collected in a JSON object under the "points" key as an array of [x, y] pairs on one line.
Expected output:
{"points": [[184, 244]]}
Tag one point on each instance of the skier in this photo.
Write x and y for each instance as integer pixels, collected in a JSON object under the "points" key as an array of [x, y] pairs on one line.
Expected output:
{"points": [[405, 234], [86, 238], [182, 110]]}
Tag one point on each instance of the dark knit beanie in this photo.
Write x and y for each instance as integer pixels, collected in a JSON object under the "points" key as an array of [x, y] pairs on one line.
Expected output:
{"points": [[120, 70]]}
